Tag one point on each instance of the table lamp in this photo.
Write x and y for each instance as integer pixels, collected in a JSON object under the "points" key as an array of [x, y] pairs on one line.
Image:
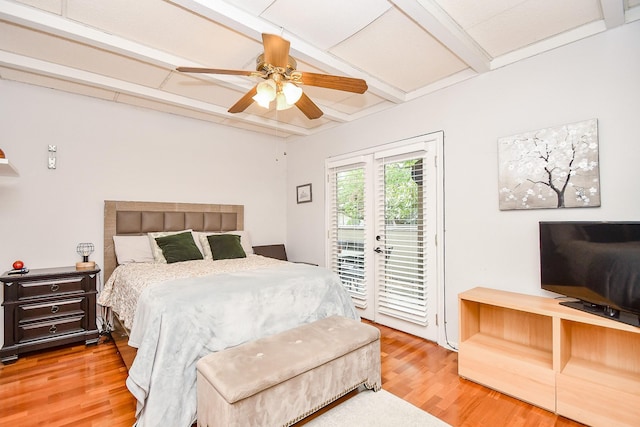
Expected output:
{"points": [[84, 250]]}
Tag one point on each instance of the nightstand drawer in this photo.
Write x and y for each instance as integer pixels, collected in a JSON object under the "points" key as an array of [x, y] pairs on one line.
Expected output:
{"points": [[48, 288], [52, 328], [50, 310]]}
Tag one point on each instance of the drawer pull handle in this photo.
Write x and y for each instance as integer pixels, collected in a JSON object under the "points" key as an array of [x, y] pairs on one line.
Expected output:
{"points": [[55, 309], [53, 329], [54, 287]]}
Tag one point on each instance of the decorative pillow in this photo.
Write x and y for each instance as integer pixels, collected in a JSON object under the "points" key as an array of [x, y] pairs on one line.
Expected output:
{"points": [[155, 249], [132, 249], [206, 249], [226, 246], [179, 247], [245, 241]]}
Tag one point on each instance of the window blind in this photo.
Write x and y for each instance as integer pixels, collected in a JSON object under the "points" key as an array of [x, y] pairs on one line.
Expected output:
{"points": [[347, 220]]}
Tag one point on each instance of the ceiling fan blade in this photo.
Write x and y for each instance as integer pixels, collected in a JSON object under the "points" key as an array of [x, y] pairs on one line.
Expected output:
{"points": [[347, 84], [308, 107], [276, 50], [214, 71], [244, 102]]}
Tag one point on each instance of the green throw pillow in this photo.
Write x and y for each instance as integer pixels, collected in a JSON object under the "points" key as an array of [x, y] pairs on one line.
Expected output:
{"points": [[179, 247], [226, 246]]}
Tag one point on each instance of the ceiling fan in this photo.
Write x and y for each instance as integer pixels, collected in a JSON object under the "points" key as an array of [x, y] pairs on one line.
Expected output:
{"points": [[282, 81]]}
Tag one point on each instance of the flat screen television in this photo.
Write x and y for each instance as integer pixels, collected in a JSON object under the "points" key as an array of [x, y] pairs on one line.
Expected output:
{"points": [[597, 264]]}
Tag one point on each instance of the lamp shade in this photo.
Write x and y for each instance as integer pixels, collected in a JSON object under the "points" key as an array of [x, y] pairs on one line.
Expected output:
{"points": [[84, 250], [281, 102], [291, 92], [262, 100]]}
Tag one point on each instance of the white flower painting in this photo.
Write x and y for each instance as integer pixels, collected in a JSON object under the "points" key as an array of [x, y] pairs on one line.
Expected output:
{"points": [[550, 168]]}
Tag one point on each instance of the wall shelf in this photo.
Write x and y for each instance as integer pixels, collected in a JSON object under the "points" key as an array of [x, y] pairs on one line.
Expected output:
{"points": [[578, 365], [7, 169]]}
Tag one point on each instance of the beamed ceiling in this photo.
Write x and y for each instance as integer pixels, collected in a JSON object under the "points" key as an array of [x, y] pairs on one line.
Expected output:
{"points": [[126, 51]]}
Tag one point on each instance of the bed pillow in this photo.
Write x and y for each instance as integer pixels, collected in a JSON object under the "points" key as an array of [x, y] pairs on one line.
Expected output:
{"points": [[132, 249], [155, 249], [245, 241], [179, 247], [226, 246]]}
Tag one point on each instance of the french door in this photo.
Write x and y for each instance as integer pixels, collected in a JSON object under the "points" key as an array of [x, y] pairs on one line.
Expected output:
{"points": [[383, 222]]}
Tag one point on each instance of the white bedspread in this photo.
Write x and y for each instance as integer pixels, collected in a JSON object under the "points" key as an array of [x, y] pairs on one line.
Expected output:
{"points": [[124, 286], [179, 321]]}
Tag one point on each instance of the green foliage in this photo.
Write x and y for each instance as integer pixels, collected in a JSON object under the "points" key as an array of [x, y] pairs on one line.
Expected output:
{"points": [[351, 195], [402, 191], [402, 187]]}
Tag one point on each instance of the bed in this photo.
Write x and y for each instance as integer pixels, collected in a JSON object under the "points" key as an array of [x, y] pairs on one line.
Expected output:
{"points": [[172, 313]]}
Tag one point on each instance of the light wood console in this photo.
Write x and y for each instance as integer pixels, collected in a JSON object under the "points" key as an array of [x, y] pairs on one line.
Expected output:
{"points": [[576, 364]]}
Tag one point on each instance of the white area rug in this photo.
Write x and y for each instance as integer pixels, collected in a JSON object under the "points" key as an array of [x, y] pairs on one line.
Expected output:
{"points": [[376, 409]]}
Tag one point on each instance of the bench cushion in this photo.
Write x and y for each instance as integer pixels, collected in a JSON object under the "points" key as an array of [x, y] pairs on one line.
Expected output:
{"points": [[239, 372]]}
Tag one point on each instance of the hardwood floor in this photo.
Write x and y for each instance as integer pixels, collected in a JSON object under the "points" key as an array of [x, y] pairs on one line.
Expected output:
{"points": [[69, 386], [426, 375], [85, 386]]}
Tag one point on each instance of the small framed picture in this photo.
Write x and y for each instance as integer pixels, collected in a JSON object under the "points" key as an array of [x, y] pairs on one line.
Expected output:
{"points": [[303, 193]]}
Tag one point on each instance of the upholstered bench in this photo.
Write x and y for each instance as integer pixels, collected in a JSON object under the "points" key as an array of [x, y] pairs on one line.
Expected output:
{"points": [[280, 379]]}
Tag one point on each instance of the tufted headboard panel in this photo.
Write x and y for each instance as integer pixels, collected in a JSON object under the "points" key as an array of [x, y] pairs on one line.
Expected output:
{"points": [[137, 218]]}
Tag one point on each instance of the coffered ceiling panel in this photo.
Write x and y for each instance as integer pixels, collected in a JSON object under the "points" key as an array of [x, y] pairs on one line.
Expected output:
{"points": [[398, 51], [325, 23], [127, 51], [500, 27]]}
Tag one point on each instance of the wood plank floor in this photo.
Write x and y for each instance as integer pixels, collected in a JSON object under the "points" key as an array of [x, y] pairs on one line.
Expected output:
{"points": [[85, 386]]}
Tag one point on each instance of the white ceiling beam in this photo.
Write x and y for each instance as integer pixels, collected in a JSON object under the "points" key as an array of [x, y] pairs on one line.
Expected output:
{"points": [[442, 83], [54, 24], [430, 16], [613, 12], [230, 16], [23, 63]]}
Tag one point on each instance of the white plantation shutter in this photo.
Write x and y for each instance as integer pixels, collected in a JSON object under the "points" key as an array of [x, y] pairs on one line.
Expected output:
{"points": [[401, 236], [347, 220]]}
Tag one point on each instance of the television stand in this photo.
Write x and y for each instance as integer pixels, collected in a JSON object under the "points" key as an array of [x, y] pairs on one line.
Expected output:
{"points": [[604, 311], [564, 360]]}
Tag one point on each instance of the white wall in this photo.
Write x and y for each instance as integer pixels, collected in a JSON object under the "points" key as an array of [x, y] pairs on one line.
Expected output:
{"points": [[595, 78], [109, 151]]}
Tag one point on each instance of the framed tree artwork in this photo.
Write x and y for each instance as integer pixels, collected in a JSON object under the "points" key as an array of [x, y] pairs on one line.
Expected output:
{"points": [[555, 167]]}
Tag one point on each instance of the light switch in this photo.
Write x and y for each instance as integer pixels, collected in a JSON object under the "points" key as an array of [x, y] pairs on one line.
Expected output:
{"points": [[52, 156]]}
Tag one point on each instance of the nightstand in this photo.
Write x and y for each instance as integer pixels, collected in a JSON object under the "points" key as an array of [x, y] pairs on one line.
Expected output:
{"points": [[48, 307], [276, 251], [271, 251]]}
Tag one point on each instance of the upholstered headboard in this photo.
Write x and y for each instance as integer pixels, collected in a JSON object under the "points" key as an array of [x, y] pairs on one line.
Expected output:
{"points": [[138, 218]]}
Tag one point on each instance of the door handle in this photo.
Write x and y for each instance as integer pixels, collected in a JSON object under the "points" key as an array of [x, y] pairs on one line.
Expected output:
{"points": [[378, 250]]}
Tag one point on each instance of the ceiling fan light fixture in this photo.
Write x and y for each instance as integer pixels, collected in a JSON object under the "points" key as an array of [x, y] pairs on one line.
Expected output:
{"points": [[292, 92], [266, 92], [281, 102], [262, 100], [268, 89]]}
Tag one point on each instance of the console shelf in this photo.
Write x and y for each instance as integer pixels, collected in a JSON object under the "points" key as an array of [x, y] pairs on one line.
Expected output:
{"points": [[581, 366]]}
